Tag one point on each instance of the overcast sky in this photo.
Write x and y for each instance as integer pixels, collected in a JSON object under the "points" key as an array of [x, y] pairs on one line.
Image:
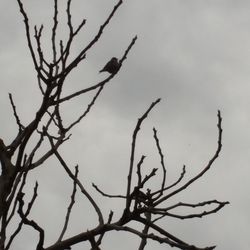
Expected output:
{"points": [[195, 55]]}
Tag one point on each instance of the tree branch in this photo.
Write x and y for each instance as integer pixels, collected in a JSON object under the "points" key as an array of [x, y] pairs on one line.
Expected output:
{"points": [[207, 167], [19, 124], [132, 155], [66, 222], [31, 223], [83, 190], [100, 84]]}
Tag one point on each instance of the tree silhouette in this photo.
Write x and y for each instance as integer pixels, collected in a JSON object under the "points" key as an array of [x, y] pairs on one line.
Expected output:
{"points": [[143, 203]]}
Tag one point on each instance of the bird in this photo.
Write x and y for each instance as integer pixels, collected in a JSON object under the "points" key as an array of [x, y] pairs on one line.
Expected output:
{"points": [[112, 66]]}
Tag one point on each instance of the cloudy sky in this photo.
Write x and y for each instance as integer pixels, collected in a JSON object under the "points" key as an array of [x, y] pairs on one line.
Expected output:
{"points": [[193, 54]]}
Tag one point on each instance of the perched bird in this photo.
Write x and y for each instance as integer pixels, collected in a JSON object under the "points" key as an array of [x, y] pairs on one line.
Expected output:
{"points": [[112, 66]]}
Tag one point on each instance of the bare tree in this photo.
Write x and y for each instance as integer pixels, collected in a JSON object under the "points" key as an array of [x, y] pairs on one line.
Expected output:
{"points": [[145, 207]]}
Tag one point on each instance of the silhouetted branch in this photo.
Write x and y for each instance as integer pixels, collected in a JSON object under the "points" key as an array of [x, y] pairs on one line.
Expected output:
{"points": [[69, 19], [46, 156], [147, 177], [94, 244], [27, 28], [53, 38], [19, 227], [99, 241], [172, 240], [145, 231], [72, 201], [108, 195], [20, 126], [172, 185], [38, 35], [132, 155], [206, 168], [164, 211], [23, 182], [96, 38], [166, 240], [162, 160], [31, 223], [71, 175], [90, 105], [100, 84], [139, 183], [72, 33], [81, 55]]}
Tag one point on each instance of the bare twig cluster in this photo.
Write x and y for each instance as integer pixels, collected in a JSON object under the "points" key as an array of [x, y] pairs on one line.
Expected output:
{"points": [[145, 207]]}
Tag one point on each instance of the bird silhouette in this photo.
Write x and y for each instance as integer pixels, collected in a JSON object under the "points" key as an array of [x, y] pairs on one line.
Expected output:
{"points": [[112, 66]]}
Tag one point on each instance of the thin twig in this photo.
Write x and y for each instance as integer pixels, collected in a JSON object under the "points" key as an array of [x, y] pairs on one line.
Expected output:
{"points": [[100, 84], [132, 155], [167, 240], [108, 195], [172, 185], [27, 29], [20, 126], [90, 105], [205, 169], [31, 223], [162, 160], [19, 227], [164, 212], [72, 201], [139, 170], [94, 40], [71, 175], [53, 38]]}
